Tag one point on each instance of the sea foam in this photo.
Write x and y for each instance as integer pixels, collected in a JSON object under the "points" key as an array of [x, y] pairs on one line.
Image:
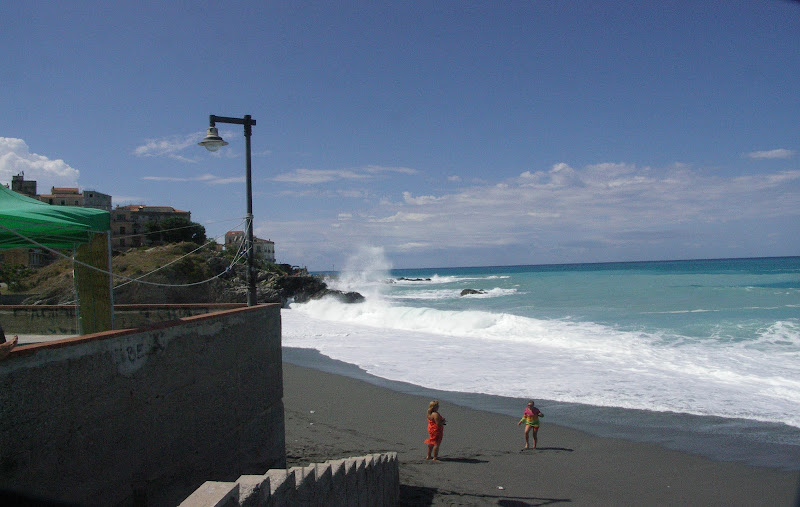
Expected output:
{"points": [[582, 362]]}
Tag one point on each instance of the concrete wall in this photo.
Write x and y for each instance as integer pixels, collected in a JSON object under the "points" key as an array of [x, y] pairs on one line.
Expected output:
{"points": [[144, 415], [367, 480], [63, 319]]}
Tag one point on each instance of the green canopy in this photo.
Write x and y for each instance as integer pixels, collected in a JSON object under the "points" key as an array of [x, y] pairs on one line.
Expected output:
{"points": [[59, 227]]}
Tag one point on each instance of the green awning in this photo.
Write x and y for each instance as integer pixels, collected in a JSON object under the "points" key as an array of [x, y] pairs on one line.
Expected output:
{"points": [[58, 227]]}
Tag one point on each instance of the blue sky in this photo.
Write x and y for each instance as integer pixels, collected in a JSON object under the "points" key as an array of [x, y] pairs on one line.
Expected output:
{"points": [[445, 133]]}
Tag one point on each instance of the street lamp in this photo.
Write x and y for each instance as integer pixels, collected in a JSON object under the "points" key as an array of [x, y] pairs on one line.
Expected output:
{"points": [[213, 142]]}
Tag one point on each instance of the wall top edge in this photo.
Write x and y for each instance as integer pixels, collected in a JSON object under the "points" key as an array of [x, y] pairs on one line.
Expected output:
{"points": [[24, 350]]}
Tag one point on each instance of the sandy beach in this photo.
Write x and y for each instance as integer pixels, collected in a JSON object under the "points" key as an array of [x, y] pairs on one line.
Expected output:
{"points": [[481, 458]]}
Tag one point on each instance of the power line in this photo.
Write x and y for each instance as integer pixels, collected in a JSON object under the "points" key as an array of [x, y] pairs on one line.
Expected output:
{"points": [[235, 260]]}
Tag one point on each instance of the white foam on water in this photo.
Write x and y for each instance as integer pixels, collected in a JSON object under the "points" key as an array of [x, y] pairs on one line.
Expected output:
{"points": [[733, 365], [442, 294], [444, 279], [583, 362]]}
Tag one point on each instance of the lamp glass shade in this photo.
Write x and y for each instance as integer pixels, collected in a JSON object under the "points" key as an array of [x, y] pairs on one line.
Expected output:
{"points": [[213, 141]]}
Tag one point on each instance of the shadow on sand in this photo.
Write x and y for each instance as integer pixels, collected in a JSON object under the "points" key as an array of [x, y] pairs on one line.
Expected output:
{"points": [[419, 495], [464, 460], [416, 495], [548, 449]]}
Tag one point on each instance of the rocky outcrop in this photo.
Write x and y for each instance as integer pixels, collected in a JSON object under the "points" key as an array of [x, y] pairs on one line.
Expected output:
{"points": [[301, 288], [344, 297], [469, 292], [283, 289], [193, 278]]}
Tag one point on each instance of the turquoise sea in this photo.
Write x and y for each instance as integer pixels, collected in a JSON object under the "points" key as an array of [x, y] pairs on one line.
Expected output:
{"points": [[700, 355]]}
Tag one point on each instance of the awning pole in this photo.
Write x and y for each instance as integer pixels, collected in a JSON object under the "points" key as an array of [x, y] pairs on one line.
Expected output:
{"points": [[110, 280], [77, 297]]}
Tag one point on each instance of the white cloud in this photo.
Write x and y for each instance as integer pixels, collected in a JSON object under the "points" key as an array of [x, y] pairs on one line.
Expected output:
{"points": [[600, 206], [352, 193], [778, 153], [327, 193], [559, 175], [414, 245], [16, 158], [209, 179], [377, 169], [317, 176], [168, 147], [403, 216], [204, 177], [423, 199], [543, 214], [226, 181], [129, 199]]}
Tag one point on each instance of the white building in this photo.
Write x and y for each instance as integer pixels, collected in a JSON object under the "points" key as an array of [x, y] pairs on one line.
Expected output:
{"points": [[264, 248]]}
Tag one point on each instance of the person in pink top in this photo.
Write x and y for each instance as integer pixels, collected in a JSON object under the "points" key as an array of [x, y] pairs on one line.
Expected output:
{"points": [[531, 417]]}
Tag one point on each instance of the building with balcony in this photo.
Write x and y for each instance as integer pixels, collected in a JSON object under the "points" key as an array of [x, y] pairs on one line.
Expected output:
{"points": [[129, 224], [264, 249], [63, 196], [66, 196]]}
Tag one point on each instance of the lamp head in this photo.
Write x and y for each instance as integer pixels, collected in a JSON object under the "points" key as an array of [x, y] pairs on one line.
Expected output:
{"points": [[213, 141]]}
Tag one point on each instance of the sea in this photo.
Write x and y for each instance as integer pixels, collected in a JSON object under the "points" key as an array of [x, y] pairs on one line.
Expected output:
{"points": [[701, 356]]}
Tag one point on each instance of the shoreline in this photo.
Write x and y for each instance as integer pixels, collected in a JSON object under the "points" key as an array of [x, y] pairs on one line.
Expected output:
{"points": [[335, 409], [753, 443]]}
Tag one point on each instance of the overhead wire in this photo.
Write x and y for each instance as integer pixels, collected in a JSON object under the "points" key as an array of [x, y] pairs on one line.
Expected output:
{"points": [[234, 261]]}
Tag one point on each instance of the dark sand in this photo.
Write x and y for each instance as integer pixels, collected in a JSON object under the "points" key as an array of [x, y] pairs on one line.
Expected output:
{"points": [[481, 462]]}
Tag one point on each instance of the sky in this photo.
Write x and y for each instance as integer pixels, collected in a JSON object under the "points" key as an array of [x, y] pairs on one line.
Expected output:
{"points": [[446, 133]]}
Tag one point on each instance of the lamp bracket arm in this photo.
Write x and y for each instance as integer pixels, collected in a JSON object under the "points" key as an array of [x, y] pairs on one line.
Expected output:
{"points": [[246, 121]]}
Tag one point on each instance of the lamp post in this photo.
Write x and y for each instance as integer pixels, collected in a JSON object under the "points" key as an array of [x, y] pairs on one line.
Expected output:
{"points": [[213, 142]]}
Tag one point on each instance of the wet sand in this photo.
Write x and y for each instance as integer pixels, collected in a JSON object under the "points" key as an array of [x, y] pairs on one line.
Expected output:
{"points": [[481, 458]]}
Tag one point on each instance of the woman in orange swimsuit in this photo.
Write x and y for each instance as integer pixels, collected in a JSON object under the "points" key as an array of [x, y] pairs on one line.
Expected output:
{"points": [[435, 430]]}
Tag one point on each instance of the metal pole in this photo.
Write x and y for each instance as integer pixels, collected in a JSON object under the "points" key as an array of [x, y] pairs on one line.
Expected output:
{"points": [[251, 277], [248, 123]]}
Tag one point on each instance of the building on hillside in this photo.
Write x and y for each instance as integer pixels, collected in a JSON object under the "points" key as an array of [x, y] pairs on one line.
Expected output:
{"points": [[21, 186], [62, 196], [129, 223], [35, 257], [264, 248], [65, 196], [97, 200], [28, 257]]}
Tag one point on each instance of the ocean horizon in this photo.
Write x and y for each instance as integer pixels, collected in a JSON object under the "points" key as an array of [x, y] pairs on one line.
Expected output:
{"points": [[699, 355], [334, 272]]}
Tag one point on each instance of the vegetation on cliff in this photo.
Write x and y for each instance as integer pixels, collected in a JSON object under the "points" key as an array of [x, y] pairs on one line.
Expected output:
{"points": [[182, 273]]}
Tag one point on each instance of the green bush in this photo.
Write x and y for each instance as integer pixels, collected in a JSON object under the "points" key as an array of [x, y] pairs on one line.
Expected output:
{"points": [[14, 276]]}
